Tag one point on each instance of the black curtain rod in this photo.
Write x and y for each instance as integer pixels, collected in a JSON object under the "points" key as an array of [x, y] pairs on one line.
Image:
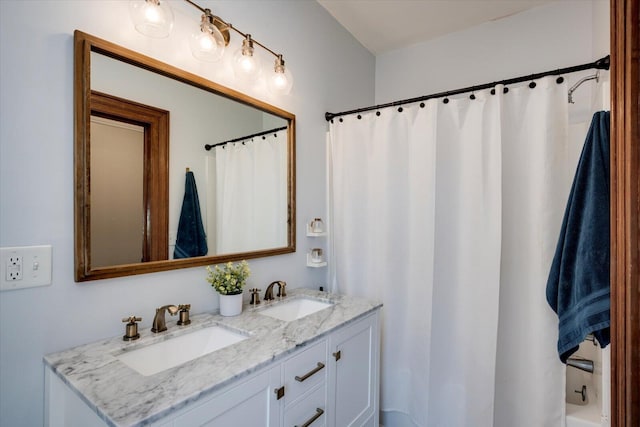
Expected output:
{"points": [[210, 146], [600, 64]]}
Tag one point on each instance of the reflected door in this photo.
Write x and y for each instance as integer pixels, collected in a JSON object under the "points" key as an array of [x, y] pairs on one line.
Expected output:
{"points": [[117, 192]]}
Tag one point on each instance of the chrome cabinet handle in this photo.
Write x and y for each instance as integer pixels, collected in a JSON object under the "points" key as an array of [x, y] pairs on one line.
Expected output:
{"points": [[315, 416], [308, 374]]}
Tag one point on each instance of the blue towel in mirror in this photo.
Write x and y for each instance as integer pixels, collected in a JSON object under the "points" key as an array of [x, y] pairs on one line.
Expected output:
{"points": [[191, 239], [578, 288]]}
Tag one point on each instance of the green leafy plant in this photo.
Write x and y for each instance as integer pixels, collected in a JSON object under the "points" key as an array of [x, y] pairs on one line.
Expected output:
{"points": [[229, 279]]}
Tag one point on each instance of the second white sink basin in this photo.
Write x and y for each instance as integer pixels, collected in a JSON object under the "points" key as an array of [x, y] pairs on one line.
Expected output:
{"points": [[295, 309], [175, 351]]}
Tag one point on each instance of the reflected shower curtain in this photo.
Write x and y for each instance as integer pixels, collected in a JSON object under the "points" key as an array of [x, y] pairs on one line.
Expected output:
{"points": [[449, 214], [251, 194]]}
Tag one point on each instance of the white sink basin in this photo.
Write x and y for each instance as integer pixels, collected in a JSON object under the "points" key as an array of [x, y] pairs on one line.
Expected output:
{"points": [[295, 309], [175, 351]]}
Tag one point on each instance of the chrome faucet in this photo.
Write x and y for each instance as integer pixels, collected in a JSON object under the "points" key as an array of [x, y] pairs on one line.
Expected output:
{"points": [[268, 294], [159, 324]]}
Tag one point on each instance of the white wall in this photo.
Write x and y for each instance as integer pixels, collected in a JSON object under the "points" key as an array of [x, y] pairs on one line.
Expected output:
{"points": [[557, 35], [36, 166]]}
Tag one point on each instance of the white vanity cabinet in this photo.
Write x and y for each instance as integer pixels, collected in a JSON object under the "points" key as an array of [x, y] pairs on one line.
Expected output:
{"points": [[330, 380]]}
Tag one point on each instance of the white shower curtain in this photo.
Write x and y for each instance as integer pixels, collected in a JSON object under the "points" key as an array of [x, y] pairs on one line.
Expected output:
{"points": [[449, 214], [251, 194]]}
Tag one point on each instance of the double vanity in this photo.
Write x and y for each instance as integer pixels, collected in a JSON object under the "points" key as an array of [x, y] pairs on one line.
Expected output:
{"points": [[310, 359]]}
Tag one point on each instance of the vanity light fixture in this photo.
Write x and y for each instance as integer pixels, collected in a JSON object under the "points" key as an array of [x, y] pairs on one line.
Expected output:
{"points": [[153, 18], [245, 65], [208, 42], [281, 80]]}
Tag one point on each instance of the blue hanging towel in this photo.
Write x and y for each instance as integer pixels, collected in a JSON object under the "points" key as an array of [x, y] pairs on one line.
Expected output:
{"points": [[191, 240], [578, 288]]}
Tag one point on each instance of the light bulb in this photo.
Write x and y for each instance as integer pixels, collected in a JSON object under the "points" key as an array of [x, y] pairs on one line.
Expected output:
{"points": [[153, 18], [207, 43], [280, 81], [152, 14], [246, 67]]}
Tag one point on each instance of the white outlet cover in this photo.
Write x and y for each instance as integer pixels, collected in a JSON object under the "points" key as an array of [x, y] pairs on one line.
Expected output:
{"points": [[36, 267]]}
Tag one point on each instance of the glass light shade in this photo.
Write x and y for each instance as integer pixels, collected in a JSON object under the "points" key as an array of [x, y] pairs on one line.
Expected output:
{"points": [[280, 81], [153, 18], [207, 43], [246, 66]]}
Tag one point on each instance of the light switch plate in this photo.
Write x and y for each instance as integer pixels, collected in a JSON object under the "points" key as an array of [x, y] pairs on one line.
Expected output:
{"points": [[25, 267]]}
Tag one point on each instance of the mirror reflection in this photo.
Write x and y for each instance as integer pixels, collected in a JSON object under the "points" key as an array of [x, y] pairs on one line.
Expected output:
{"points": [[182, 172]]}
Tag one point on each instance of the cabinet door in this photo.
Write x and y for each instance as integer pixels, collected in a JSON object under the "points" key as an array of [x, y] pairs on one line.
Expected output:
{"points": [[63, 408], [252, 403], [355, 385]]}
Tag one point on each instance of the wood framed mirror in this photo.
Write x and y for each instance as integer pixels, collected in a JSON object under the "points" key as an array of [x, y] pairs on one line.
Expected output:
{"points": [[141, 128]]}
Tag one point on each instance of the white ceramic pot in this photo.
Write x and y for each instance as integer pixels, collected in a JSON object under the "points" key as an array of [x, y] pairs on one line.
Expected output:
{"points": [[230, 305]]}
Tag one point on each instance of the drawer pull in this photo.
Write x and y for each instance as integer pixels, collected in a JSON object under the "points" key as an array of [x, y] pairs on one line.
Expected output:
{"points": [[317, 415], [337, 355], [308, 374]]}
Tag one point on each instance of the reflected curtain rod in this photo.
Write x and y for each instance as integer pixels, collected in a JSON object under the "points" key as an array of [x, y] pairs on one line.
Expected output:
{"points": [[600, 64], [210, 146]]}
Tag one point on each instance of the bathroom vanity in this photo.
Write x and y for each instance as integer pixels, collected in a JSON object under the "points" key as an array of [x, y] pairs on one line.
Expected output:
{"points": [[309, 359]]}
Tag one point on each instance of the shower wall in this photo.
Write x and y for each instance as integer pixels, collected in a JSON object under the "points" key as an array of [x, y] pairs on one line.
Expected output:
{"points": [[555, 35]]}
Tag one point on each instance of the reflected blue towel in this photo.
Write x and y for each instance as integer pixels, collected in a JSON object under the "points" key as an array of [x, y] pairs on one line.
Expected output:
{"points": [[578, 286], [191, 240]]}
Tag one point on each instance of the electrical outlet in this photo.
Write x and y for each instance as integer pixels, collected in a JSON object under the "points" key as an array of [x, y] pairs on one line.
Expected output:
{"points": [[25, 267], [14, 268]]}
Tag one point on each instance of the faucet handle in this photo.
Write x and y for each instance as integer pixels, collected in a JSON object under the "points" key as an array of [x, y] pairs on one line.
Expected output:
{"points": [[255, 296], [131, 328], [184, 314], [281, 288]]}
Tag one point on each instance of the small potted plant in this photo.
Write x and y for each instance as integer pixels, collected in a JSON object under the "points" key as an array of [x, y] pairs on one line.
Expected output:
{"points": [[228, 281]]}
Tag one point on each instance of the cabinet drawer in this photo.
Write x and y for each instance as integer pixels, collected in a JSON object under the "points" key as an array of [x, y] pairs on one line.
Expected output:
{"points": [[309, 411], [304, 371]]}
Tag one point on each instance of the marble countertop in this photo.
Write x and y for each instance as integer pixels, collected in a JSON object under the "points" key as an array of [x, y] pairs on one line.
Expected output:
{"points": [[123, 397]]}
